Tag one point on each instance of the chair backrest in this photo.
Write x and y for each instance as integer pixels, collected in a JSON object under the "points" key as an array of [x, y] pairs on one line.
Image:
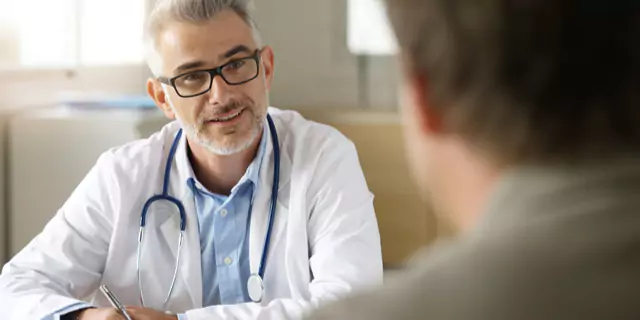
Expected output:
{"points": [[405, 221]]}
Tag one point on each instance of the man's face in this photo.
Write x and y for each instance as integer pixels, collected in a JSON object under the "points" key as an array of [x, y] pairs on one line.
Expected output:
{"points": [[228, 118]]}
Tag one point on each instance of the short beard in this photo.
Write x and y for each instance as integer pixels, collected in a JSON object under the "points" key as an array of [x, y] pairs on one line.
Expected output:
{"points": [[199, 137]]}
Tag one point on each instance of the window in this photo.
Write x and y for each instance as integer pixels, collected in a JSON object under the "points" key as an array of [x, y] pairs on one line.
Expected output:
{"points": [[371, 40], [368, 30], [70, 33]]}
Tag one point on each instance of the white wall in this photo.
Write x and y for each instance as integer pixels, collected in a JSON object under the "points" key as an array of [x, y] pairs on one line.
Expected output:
{"points": [[313, 65], [4, 235]]}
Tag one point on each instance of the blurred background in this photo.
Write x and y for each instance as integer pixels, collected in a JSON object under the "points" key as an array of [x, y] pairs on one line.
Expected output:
{"points": [[72, 84]]}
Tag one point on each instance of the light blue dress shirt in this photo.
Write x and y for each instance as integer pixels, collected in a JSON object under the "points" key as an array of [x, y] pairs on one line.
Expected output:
{"points": [[223, 223]]}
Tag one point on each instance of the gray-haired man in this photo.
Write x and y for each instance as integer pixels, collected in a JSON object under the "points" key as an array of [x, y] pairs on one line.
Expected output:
{"points": [[276, 214]]}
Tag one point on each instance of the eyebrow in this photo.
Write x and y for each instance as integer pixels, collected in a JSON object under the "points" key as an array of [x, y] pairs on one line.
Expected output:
{"points": [[235, 50], [197, 64], [188, 65]]}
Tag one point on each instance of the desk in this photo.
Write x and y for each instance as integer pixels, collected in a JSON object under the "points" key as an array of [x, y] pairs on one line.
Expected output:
{"points": [[406, 223]]}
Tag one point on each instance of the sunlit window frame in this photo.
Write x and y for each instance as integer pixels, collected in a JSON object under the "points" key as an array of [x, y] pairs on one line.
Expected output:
{"points": [[18, 74]]}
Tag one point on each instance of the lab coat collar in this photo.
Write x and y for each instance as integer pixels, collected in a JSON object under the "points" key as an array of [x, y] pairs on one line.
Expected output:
{"points": [[190, 268], [253, 172], [252, 175], [260, 211]]}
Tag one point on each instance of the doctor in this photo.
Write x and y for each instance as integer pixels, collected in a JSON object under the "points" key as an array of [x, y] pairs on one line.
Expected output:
{"points": [[234, 211]]}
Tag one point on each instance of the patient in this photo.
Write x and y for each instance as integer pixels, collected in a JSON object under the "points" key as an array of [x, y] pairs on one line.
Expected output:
{"points": [[522, 122]]}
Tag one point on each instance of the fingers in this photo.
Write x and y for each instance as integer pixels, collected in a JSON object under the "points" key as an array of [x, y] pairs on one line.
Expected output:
{"points": [[141, 313], [115, 315], [137, 313], [101, 314]]}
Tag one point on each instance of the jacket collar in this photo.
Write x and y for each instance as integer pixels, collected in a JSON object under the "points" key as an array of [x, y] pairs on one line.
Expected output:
{"points": [[526, 194]]}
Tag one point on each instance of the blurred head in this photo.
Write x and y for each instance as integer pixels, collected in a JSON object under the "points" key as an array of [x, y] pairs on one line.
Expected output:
{"points": [[502, 83], [211, 72]]}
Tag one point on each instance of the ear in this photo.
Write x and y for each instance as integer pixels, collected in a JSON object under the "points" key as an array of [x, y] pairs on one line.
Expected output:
{"points": [[428, 119], [267, 59], [157, 93]]}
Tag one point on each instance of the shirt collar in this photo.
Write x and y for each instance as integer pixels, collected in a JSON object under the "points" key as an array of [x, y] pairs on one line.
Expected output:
{"points": [[253, 171], [252, 175]]}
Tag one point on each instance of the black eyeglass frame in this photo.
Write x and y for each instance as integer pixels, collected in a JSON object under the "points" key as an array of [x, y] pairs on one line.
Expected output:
{"points": [[213, 73]]}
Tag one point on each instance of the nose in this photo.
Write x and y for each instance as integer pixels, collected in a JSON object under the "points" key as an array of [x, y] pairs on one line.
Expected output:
{"points": [[219, 92]]}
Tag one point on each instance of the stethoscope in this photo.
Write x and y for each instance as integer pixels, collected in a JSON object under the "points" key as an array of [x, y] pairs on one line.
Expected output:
{"points": [[255, 283]]}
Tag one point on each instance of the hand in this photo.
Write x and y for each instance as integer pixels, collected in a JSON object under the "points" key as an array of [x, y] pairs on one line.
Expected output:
{"points": [[100, 314], [140, 313]]}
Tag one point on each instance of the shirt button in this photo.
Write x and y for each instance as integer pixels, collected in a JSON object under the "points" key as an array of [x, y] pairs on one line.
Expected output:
{"points": [[223, 212], [227, 261]]}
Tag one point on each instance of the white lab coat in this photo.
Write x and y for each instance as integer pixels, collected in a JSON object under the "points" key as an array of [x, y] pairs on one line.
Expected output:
{"points": [[324, 244]]}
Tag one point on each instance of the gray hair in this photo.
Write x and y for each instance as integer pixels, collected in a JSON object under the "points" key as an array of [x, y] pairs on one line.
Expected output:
{"points": [[192, 11]]}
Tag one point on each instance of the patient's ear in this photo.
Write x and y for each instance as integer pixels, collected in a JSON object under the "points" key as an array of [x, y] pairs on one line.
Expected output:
{"points": [[428, 120], [161, 98]]}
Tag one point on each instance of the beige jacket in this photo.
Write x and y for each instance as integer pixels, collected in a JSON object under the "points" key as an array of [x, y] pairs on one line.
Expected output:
{"points": [[560, 243]]}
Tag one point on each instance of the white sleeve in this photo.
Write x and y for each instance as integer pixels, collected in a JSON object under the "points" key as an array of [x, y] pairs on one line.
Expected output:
{"points": [[344, 240], [64, 263]]}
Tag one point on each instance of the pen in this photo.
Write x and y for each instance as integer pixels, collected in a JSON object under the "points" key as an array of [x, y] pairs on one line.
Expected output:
{"points": [[114, 301]]}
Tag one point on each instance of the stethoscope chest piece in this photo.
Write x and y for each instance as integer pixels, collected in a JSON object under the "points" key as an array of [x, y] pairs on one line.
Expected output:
{"points": [[255, 287]]}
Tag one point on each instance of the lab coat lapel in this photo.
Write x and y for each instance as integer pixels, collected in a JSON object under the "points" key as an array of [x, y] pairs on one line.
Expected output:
{"points": [[262, 200], [170, 231], [189, 266]]}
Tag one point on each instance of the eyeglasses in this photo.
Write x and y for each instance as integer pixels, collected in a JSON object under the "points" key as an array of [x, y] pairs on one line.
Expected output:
{"points": [[235, 72]]}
